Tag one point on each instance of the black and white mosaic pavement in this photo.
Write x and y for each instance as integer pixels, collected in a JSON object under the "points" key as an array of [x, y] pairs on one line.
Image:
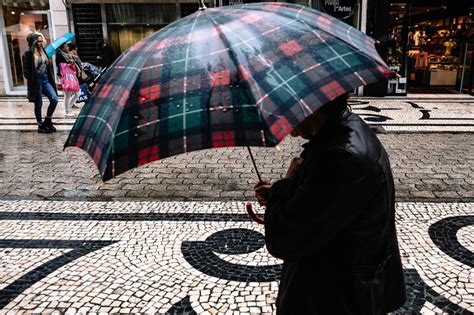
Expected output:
{"points": [[198, 258], [416, 115], [446, 113]]}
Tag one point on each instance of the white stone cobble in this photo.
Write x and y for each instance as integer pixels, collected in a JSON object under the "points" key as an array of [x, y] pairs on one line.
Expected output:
{"points": [[430, 113], [144, 268]]}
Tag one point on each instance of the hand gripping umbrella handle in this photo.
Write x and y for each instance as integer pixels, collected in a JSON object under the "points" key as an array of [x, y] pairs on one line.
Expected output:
{"points": [[253, 215]]}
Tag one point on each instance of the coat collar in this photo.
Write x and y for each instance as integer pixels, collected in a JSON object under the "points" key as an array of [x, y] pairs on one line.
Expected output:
{"points": [[325, 133]]}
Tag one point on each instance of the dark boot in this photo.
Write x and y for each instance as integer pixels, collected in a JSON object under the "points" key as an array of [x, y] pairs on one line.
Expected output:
{"points": [[49, 124], [43, 129]]}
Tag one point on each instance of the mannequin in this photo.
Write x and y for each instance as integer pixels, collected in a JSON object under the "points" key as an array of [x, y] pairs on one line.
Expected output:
{"points": [[449, 45], [416, 38]]}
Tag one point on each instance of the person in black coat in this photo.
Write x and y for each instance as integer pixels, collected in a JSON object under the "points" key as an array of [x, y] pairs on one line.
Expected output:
{"points": [[332, 220], [39, 75], [105, 54]]}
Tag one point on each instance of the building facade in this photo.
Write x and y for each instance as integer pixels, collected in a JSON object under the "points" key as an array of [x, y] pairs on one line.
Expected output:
{"points": [[427, 42], [17, 20]]}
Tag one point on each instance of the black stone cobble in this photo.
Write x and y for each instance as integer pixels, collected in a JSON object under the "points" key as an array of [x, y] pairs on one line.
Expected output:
{"points": [[426, 167]]}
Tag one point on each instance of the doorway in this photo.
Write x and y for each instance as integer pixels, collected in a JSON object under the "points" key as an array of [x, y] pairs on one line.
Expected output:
{"points": [[18, 21]]}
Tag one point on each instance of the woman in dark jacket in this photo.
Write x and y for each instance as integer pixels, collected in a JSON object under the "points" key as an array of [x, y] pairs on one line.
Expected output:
{"points": [[332, 221], [38, 73]]}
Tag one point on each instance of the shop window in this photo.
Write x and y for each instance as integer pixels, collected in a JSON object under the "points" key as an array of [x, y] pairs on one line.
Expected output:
{"points": [[20, 20], [396, 48], [424, 48]]}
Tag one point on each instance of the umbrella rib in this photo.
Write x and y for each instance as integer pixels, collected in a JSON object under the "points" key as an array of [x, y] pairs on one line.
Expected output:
{"points": [[171, 117], [98, 118], [348, 40], [233, 59], [293, 93], [221, 50], [185, 81], [214, 22], [303, 71], [335, 52]]}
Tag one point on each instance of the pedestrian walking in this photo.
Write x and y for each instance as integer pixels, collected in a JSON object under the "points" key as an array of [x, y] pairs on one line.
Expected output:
{"points": [[67, 72], [82, 76], [105, 53], [332, 220], [40, 80]]}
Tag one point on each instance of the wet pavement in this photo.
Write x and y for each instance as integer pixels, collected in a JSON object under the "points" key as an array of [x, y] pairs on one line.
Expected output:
{"points": [[414, 114], [426, 167], [172, 236]]}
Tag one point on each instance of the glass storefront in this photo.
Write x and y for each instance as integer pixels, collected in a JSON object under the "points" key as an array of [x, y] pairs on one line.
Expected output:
{"points": [[425, 47], [128, 23], [20, 20]]}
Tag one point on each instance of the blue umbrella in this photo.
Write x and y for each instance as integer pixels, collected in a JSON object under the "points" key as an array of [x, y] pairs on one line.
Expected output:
{"points": [[51, 49]]}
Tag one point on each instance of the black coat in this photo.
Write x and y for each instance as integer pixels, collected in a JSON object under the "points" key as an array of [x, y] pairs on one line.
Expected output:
{"points": [[107, 55], [333, 224], [29, 70]]}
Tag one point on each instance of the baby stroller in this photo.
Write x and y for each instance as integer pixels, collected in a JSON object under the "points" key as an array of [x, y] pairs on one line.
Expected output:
{"points": [[96, 77], [90, 76]]}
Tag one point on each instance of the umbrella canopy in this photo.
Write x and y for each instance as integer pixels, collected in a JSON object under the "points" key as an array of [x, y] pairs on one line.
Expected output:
{"points": [[231, 76], [51, 49]]}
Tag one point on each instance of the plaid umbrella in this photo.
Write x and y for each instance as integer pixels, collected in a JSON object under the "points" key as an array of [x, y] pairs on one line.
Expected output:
{"points": [[243, 75]]}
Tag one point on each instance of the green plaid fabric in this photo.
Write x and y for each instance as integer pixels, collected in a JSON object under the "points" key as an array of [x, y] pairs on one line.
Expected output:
{"points": [[229, 76]]}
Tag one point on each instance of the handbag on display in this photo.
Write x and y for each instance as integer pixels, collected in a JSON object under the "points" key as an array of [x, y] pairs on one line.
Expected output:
{"points": [[69, 79]]}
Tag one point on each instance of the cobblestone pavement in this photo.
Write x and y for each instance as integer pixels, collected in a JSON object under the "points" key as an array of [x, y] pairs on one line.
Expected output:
{"points": [[197, 257], [172, 236], [435, 113], [426, 167]]}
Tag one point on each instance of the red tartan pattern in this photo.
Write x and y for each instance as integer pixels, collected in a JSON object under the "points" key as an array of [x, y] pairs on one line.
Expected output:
{"points": [[332, 90], [223, 139], [244, 73], [281, 128], [290, 48], [150, 93], [105, 91], [148, 155], [220, 78], [251, 18], [228, 76], [325, 20]]}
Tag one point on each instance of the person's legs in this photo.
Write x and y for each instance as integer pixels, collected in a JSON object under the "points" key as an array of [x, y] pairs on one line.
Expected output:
{"points": [[67, 101], [53, 101], [74, 98], [39, 102]]}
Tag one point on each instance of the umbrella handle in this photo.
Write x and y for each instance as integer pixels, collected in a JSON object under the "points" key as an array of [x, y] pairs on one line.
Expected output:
{"points": [[254, 216]]}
